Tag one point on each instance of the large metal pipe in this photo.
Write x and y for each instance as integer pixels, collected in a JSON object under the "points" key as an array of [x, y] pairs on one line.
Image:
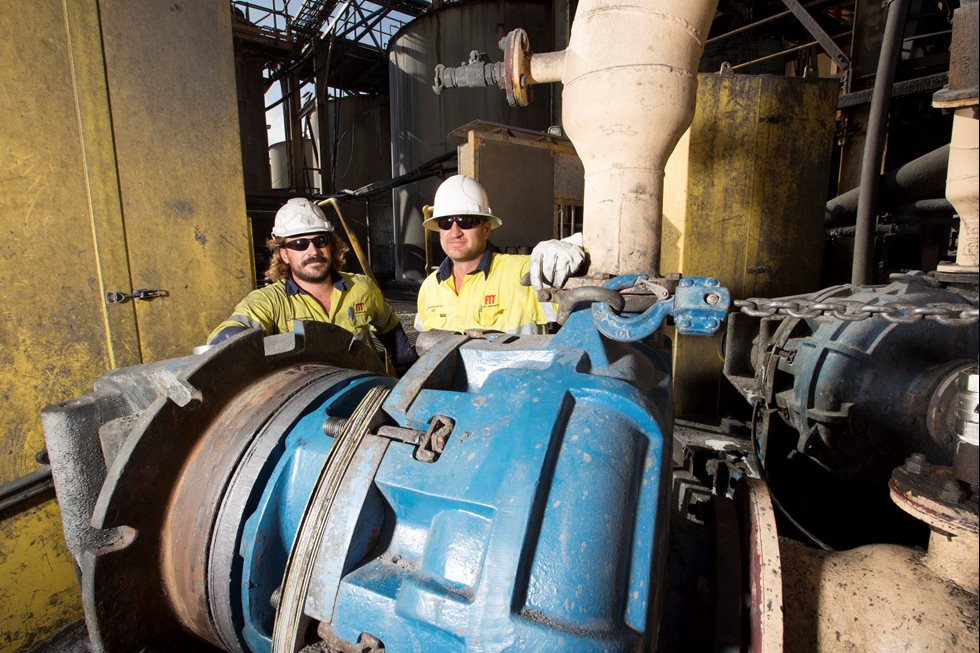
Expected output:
{"points": [[627, 100], [874, 144], [878, 597], [919, 178]]}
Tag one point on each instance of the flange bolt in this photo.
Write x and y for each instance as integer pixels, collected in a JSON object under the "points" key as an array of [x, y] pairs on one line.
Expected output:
{"points": [[916, 464], [952, 491]]}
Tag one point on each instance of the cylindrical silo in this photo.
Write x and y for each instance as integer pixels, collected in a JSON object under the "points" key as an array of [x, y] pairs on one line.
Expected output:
{"points": [[279, 165], [421, 120], [356, 154]]}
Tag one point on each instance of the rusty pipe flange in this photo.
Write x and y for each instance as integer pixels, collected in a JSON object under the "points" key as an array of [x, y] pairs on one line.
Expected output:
{"points": [[932, 494], [189, 530], [219, 481], [517, 55], [122, 582]]}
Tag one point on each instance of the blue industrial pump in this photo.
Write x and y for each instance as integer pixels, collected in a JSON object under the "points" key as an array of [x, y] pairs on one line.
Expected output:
{"points": [[282, 494]]}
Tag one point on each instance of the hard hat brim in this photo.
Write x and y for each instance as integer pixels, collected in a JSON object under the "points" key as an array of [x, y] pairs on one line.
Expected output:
{"points": [[289, 233], [431, 223]]}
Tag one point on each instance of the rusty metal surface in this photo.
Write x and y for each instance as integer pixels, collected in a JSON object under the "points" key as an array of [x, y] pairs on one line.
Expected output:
{"points": [[517, 51], [964, 64], [765, 599], [199, 493], [168, 408], [225, 545], [923, 491]]}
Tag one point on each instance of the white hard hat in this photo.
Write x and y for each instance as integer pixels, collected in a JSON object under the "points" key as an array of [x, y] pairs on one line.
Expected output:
{"points": [[460, 195], [300, 216]]}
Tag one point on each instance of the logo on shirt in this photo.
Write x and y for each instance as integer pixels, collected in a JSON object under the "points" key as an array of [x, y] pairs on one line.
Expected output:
{"points": [[359, 307], [489, 300]]}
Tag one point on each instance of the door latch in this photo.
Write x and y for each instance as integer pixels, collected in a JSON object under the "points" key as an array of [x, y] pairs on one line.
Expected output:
{"points": [[139, 294]]}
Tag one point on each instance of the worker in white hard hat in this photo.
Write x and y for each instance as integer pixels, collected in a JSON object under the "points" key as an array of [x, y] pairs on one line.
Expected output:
{"points": [[477, 287], [309, 284]]}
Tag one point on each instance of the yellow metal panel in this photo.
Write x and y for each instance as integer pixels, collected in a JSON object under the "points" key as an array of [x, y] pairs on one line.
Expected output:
{"points": [[744, 197], [86, 190], [54, 338], [102, 184], [38, 592], [171, 77]]}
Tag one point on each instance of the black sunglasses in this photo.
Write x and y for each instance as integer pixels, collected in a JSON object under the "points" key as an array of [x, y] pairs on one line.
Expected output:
{"points": [[300, 244], [464, 221]]}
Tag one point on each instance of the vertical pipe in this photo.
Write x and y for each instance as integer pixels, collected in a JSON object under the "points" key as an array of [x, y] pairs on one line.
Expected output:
{"points": [[874, 144], [630, 82]]}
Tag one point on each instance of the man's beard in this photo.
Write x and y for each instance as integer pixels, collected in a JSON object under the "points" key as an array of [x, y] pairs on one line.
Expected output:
{"points": [[312, 277]]}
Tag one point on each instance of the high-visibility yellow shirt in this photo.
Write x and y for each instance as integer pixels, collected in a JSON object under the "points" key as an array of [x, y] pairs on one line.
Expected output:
{"points": [[356, 304], [491, 298]]}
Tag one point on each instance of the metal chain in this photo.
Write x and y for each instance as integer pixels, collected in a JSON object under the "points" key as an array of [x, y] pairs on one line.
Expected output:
{"points": [[852, 310]]}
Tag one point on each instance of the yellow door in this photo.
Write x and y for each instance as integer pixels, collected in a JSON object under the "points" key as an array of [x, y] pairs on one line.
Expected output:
{"points": [[120, 169]]}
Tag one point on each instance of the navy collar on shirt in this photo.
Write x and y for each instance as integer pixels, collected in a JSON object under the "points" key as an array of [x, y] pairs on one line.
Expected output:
{"points": [[339, 282], [446, 267]]}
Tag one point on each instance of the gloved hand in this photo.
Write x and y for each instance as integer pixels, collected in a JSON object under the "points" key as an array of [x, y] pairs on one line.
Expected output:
{"points": [[553, 261]]}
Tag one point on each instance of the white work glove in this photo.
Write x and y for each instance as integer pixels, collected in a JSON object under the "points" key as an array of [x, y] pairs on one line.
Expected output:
{"points": [[553, 261]]}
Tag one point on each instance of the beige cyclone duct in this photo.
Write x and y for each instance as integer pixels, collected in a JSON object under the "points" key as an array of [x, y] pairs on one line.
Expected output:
{"points": [[629, 76], [960, 96]]}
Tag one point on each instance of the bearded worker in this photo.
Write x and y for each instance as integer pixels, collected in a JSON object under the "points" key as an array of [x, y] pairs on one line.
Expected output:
{"points": [[308, 284]]}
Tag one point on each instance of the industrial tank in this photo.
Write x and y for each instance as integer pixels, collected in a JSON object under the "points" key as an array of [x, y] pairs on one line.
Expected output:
{"points": [[279, 165], [421, 120], [355, 155]]}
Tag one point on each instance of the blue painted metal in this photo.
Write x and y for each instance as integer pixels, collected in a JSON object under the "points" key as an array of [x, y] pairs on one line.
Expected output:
{"points": [[271, 528], [627, 327], [860, 388], [537, 528], [540, 527], [699, 306]]}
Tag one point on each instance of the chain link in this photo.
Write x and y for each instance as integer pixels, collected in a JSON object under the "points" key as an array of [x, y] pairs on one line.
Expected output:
{"points": [[852, 310]]}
